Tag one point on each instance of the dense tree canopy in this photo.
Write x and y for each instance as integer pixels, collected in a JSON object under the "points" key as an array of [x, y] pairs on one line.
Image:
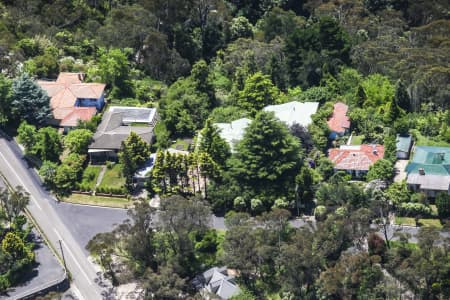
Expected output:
{"points": [[199, 62], [213, 144], [268, 157], [5, 99], [29, 101], [133, 153], [78, 140]]}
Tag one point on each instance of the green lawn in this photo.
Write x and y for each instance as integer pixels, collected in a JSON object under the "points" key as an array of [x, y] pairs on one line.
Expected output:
{"points": [[357, 139], [181, 144], [430, 223], [98, 200], [397, 244], [113, 177], [90, 176], [405, 221], [422, 222]]}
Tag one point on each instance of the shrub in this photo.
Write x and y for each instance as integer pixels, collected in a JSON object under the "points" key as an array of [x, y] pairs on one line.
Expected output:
{"points": [[281, 203], [110, 164], [239, 203], [117, 190], [341, 211], [89, 174], [419, 198], [320, 212], [414, 209], [256, 205]]}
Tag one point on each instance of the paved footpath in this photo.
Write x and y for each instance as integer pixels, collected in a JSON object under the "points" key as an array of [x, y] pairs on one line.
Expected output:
{"points": [[46, 273]]}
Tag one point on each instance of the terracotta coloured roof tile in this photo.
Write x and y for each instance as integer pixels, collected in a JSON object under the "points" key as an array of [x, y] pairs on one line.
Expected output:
{"points": [[87, 90], [64, 93], [356, 157], [78, 113], [339, 121], [68, 78]]}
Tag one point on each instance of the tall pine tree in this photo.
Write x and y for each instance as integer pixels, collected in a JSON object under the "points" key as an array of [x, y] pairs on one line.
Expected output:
{"points": [[134, 152], [268, 157], [213, 144], [401, 96], [29, 101]]}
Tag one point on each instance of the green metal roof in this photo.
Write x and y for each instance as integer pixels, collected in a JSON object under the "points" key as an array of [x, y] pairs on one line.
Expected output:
{"points": [[434, 160], [404, 142]]}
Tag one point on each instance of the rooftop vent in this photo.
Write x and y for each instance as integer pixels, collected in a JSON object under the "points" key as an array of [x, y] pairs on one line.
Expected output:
{"points": [[374, 149], [421, 171]]}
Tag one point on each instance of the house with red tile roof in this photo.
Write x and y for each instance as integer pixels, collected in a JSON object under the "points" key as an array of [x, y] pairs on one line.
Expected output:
{"points": [[339, 123], [355, 160], [72, 100]]}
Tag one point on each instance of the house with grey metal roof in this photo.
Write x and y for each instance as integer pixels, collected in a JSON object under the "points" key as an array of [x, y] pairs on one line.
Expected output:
{"points": [[116, 125], [216, 283], [403, 146], [429, 170]]}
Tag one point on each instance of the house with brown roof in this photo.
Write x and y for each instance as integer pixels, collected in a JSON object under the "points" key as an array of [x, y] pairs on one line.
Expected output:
{"points": [[339, 123], [355, 160], [72, 100]]}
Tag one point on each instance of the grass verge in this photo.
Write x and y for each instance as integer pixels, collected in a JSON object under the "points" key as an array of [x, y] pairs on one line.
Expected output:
{"points": [[98, 200]]}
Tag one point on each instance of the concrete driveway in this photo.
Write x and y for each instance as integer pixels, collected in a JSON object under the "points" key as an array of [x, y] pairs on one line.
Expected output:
{"points": [[399, 168]]}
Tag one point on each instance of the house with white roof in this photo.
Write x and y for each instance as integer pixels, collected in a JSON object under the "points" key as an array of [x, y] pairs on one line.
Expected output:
{"points": [[294, 112], [233, 132]]}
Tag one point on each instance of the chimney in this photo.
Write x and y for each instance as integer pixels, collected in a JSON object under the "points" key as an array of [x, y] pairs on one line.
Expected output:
{"points": [[421, 171]]}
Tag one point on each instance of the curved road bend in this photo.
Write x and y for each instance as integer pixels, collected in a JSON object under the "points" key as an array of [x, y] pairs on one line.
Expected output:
{"points": [[84, 273]]}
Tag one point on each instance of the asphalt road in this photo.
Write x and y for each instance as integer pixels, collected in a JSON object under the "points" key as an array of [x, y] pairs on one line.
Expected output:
{"points": [[83, 272], [84, 222]]}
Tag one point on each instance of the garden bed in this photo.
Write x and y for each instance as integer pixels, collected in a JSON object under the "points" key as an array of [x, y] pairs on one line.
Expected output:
{"points": [[422, 222], [89, 179]]}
